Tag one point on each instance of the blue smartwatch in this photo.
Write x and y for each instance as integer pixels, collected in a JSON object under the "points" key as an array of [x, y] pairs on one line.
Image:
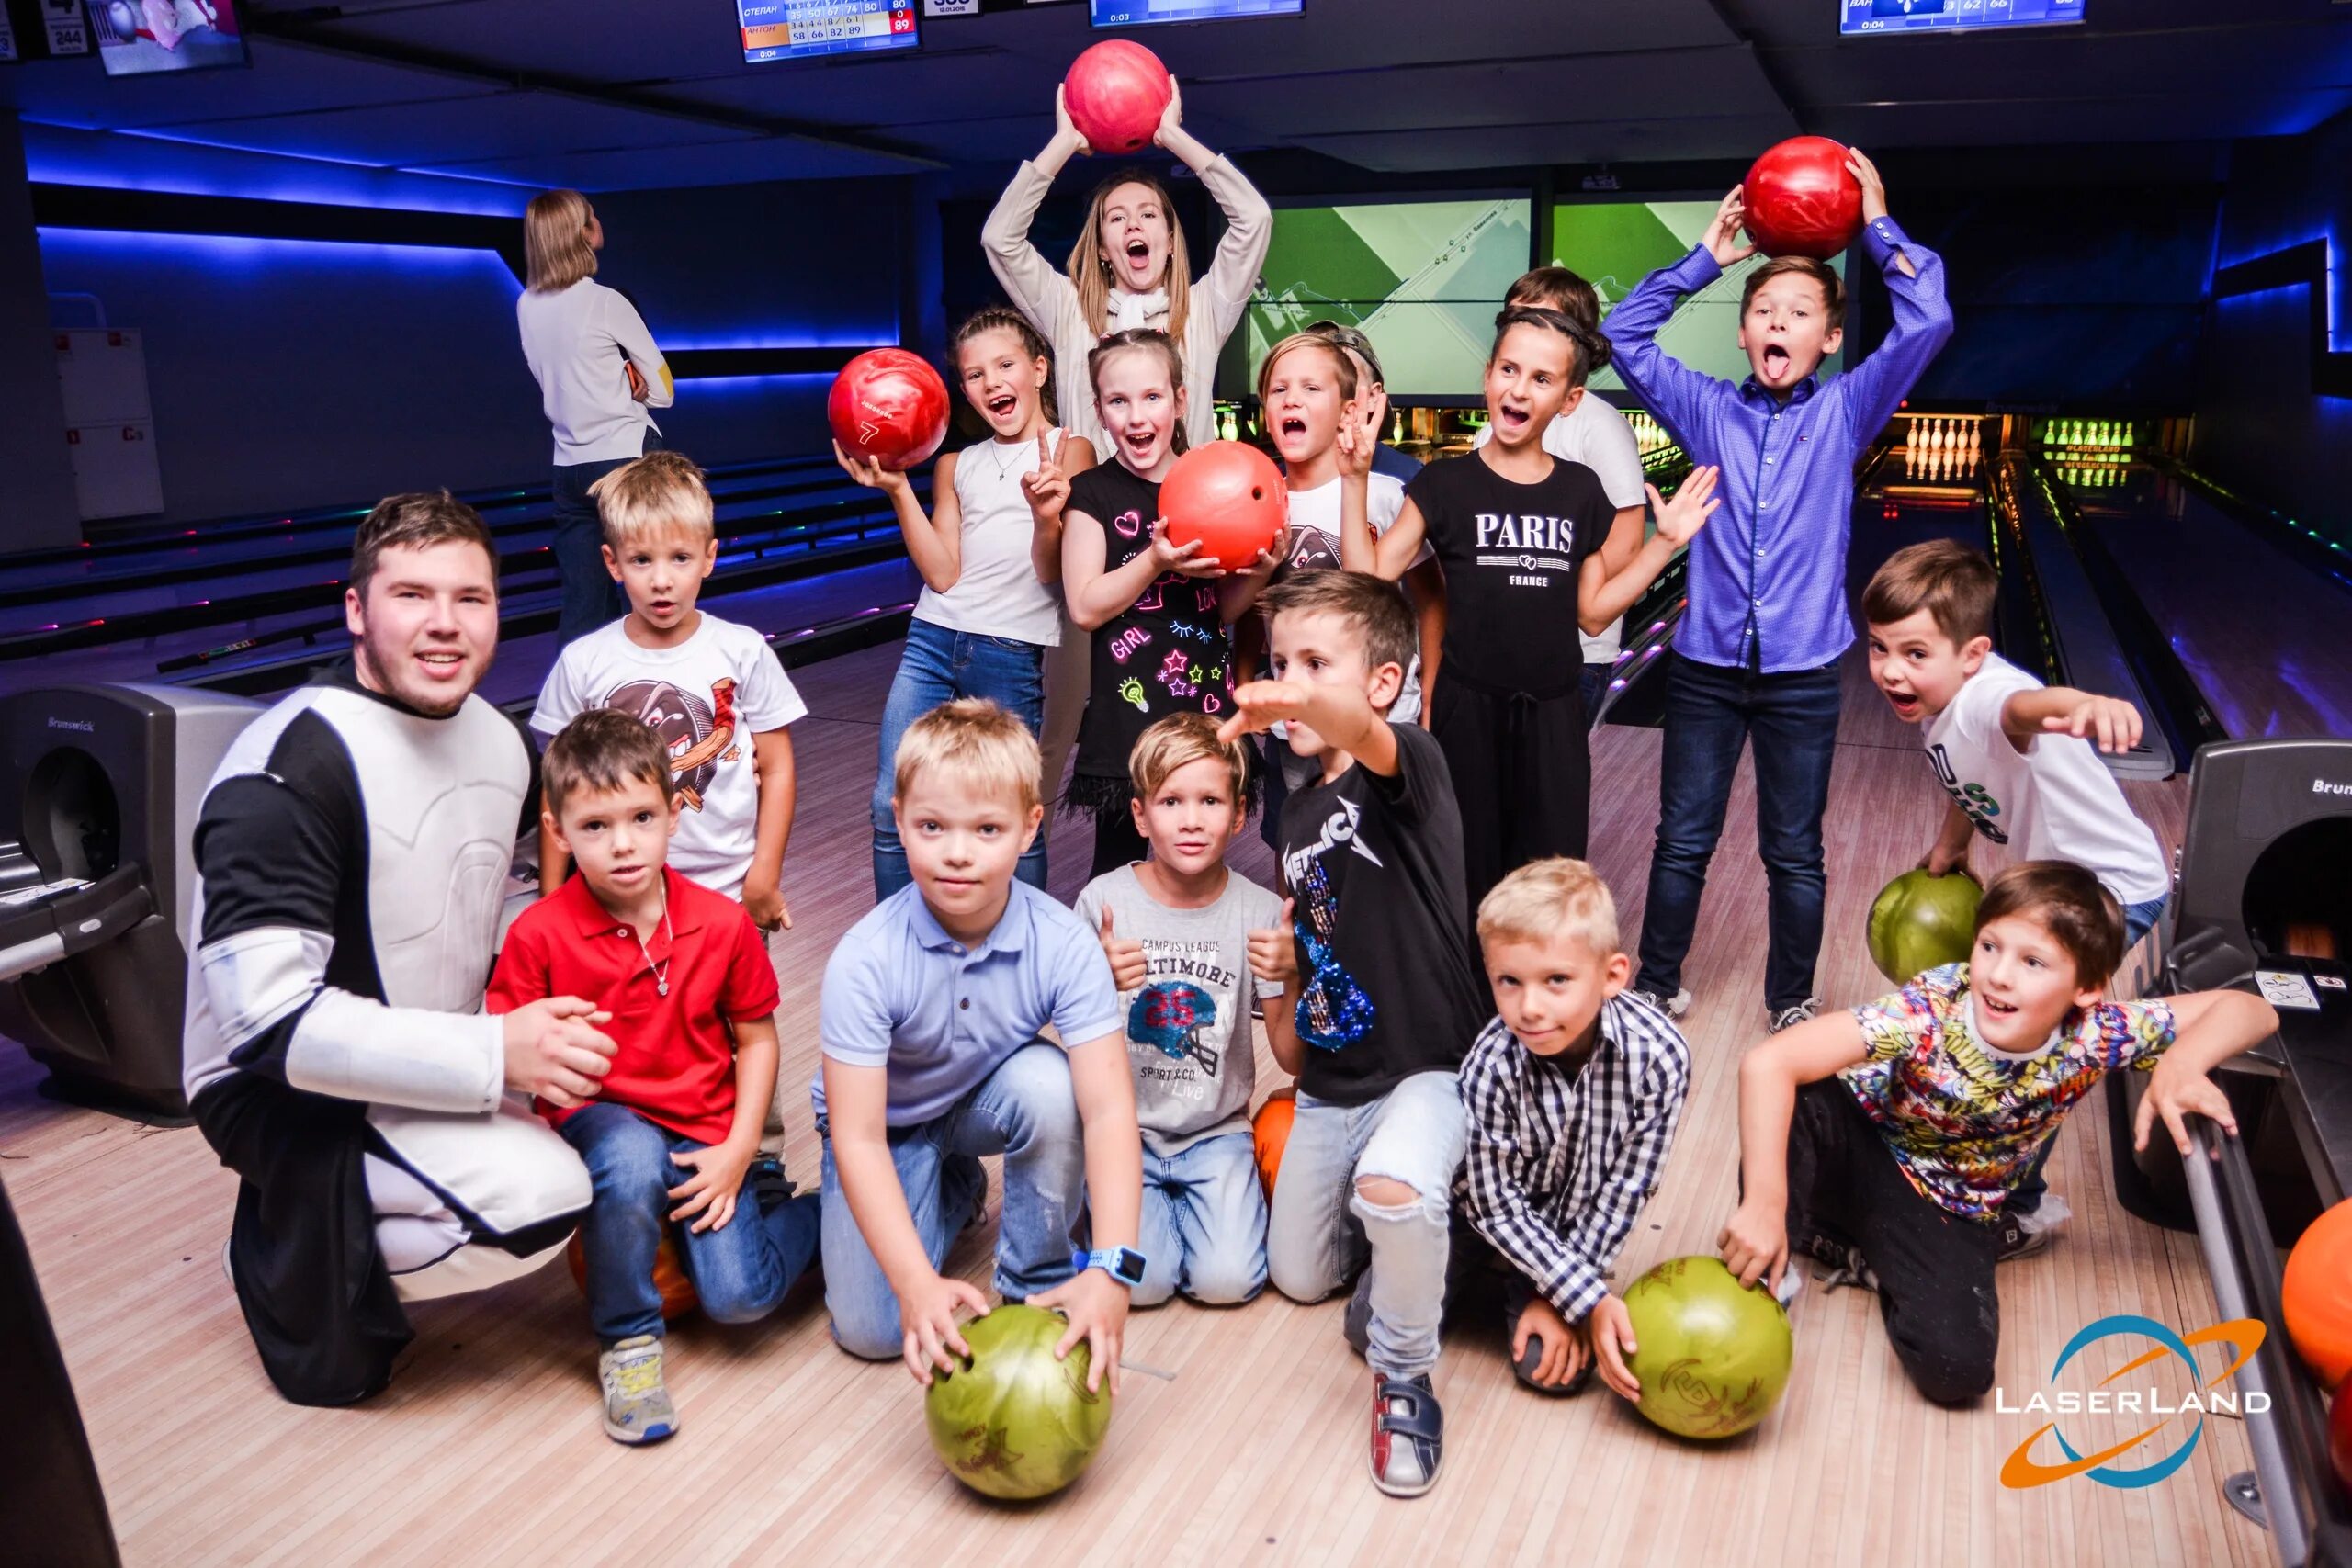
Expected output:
{"points": [[1123, 1264]]}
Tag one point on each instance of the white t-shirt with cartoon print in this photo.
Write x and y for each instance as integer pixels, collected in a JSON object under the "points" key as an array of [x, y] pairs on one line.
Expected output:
{"points": [[2054, 800], [706, 697]]}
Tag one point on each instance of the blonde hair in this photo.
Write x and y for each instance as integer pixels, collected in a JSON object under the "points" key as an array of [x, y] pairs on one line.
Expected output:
{"points": [[1180, 741], [1314, 340], [556, 254], [662, 492], [976, 742], [1090, 272], [1145, 340], [1548, 899]]}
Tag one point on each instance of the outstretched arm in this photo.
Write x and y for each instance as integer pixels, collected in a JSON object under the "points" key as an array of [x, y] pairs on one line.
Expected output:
{"points": [[1755, 1242], [1232, 276], [1674, 392], [1915, 289], [1036, 289], [1602, 597]]}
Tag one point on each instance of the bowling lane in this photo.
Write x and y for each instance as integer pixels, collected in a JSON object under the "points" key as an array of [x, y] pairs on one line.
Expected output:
{"points": [[2257, 628], [225, 548], [741, 511]]}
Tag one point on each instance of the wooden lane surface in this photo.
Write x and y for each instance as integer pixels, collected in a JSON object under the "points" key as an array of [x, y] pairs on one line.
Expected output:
{"points": [[488, 1448]]}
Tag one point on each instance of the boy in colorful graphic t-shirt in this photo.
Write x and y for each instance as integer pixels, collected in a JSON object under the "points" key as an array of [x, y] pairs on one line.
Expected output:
{"points": [[1886, 1140], [1190, 944]]}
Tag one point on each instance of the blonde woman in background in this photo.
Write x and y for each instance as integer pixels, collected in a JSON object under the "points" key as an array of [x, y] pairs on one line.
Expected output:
{"points": [[600, 375]]}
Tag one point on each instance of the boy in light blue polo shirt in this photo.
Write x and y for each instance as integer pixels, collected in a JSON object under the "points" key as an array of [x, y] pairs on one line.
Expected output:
{"points": [[934, 1007]]}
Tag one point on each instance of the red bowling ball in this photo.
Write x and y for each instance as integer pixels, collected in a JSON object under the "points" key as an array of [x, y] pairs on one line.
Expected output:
{"points": [[1802, 200], [1230, 496], [1116, 92], [888, 406]]}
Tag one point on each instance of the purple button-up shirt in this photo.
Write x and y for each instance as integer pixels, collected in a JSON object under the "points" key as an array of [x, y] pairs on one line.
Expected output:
{"points": [[1768, 572]]}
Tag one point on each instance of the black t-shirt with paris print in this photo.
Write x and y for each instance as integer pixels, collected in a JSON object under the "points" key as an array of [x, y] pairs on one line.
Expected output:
{"points": [[1511, 554]]}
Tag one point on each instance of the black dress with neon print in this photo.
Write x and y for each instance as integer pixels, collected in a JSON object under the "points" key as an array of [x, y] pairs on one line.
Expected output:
{"points": [[1166, 653]]}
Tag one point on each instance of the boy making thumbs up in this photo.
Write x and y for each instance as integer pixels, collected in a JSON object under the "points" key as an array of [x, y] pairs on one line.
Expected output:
{"points": [[1189, 942]]}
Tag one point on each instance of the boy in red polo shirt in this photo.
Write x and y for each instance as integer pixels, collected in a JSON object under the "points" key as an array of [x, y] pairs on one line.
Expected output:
{"points": [[672, 1138]]}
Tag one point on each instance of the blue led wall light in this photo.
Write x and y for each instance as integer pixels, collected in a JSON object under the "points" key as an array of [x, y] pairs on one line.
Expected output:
{"points": [[165, 212], [2309, 266]]}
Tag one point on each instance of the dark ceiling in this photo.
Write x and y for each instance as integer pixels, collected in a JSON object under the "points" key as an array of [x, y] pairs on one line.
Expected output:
{"points": [[607, 94]]}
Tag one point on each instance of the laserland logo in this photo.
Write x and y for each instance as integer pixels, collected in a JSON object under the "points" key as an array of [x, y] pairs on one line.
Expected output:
{"points": [[2022, 1470]]}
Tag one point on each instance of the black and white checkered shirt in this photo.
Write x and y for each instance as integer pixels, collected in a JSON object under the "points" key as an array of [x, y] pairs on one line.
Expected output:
{"points": [[1559, 1165]]}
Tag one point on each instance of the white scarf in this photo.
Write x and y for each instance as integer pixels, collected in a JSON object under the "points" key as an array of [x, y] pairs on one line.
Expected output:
{"points": [[1132, 311]]}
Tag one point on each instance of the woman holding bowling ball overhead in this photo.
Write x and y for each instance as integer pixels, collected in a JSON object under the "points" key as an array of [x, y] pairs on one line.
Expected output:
{"points": [[990, 559], [1129, 269], [1159, 642], [600, 372]]}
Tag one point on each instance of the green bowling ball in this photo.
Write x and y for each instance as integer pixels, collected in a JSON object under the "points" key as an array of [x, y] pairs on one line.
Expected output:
{"points": [[1919, 923], [1010, 1420], [1713, 1357]]}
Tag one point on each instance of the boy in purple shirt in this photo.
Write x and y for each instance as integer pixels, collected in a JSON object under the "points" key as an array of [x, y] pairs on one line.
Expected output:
{"points": [[1759, 647]]}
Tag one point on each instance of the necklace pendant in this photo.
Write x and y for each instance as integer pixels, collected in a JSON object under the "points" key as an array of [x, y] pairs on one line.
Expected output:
{"points": [[660, 987]]}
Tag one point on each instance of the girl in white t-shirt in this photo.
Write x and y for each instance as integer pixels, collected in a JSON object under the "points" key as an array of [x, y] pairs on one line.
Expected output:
{"points": [[990, 559], [600, 372], [1309, 386]]}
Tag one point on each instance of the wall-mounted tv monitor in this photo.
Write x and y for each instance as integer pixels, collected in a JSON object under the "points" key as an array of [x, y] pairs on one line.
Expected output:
{"points": [[139, 38], [1953, 15], [1143, 13], [1614, 244], [797, 29], [1423, 280]]}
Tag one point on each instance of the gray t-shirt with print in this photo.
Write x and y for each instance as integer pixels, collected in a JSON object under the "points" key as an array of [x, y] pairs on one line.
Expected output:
{"points": [[1189, 1040]]}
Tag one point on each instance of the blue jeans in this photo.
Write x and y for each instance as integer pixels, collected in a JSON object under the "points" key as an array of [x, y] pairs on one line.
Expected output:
{"points": [[591, 597], [1024, 1111], [740, 1270], [1710, 712], [1203, 1228], [1320, 1225], [939, 666]]}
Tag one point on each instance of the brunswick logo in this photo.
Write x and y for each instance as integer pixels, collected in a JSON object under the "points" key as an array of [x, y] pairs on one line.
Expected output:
{"points": [[2022, 1470]]}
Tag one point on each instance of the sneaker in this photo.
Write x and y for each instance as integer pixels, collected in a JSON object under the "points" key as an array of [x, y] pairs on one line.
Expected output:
{"points": [[1805, 1011], [1848, 1269], [769, 1185], [637, 1406], [1674, 1007], [1408, 1435], [2023, 1235]]}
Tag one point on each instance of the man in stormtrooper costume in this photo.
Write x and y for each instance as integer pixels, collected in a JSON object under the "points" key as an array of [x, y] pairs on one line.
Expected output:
{"points": [[351, 861]]}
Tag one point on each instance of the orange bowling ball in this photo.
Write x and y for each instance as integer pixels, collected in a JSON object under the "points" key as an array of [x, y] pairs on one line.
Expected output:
{"points": [[1230, 496], [2317, 1295], [678, 1296], [1269, 1130]]}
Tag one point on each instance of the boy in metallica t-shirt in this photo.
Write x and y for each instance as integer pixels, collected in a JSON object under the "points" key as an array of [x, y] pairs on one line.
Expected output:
{"points": [[1518, 534], [1389, 998]]}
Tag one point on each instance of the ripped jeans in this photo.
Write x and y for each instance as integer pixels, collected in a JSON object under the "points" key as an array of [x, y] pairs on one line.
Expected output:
{"points": [[1321, 1225]]}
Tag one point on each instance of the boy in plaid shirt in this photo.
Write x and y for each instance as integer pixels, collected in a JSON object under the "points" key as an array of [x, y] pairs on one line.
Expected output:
{"points": [[1572, 1094]]}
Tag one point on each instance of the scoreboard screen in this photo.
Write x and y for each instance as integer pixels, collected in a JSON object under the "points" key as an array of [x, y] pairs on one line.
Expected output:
{"points": [[1143, 13], [797, 29], [1953, 15]]}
